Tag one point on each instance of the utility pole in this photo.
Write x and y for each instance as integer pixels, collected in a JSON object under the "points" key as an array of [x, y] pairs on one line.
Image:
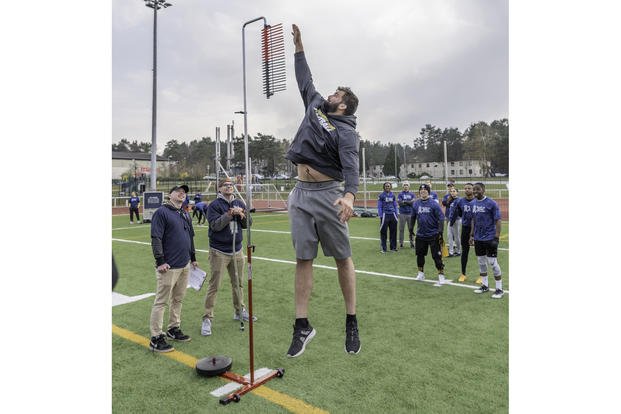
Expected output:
{"points": [[155, 5]]}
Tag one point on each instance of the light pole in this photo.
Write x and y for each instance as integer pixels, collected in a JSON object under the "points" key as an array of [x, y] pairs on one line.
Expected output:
{"points": [[155, 5]]}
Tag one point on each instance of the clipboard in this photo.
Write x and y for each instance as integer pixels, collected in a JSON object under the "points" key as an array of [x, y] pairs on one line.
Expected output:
{"points": [[197, 278]]}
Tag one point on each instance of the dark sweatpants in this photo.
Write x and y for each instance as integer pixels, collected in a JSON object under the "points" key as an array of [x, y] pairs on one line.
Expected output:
{"points": [[465, 247], [421, 251], [389, 221], [133, 211]]}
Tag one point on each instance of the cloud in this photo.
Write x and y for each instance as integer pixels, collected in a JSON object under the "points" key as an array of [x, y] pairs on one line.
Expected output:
{"points": [[410, 62]]}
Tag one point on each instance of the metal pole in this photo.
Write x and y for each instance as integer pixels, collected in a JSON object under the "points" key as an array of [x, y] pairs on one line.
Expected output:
{"points": [[154, 108], [445, 164], [249, 200], [364, 176]]}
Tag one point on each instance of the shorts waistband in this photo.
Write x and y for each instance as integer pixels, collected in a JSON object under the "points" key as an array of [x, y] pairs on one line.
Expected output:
{"points": [[317, 185]]}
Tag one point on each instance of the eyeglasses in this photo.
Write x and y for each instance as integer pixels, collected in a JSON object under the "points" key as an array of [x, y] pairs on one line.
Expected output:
{"points": [[227, 185]]}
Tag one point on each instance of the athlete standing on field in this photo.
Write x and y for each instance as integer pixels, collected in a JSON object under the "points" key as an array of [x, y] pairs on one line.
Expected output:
{"points": [[485, 233], [463, 209], [387, 211], [428, 232]]}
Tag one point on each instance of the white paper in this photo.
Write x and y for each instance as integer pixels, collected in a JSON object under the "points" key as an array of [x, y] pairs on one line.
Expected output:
{"points": [[197, 277]]}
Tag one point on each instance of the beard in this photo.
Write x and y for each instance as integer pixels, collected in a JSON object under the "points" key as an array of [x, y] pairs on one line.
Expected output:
{"points": [[330, 107]]}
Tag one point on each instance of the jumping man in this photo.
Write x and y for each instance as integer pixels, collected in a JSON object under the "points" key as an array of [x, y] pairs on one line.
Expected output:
{"points": [[325, 150]]}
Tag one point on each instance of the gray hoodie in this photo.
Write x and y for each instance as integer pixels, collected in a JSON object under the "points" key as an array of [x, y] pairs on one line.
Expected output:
{"points": [[328, 143]]}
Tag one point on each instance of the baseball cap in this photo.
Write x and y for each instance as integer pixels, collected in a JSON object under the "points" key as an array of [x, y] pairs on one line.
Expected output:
{"points": [[225, 181], [182, 186], [424, 187]]}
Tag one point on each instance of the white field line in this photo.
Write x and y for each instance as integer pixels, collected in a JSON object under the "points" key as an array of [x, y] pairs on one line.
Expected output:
{"points": [[288, 232], [358, 271]]}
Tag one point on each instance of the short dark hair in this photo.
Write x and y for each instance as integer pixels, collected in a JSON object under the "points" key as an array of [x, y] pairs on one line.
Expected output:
{"points": [[349, 99], [480, 185]]}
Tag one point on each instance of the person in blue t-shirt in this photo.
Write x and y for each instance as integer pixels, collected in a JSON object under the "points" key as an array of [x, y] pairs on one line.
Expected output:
{"points": [[200, 209], [428, 233], [387, 211], [485, 233], [134, 205], [462, 209], [405, 199], [432, 194], [454, 242]]}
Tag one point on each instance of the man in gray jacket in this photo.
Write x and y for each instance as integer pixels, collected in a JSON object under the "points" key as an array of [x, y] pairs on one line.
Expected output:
{"points": [[325, 150]]}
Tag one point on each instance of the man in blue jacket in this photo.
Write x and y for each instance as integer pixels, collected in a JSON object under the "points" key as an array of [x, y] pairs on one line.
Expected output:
{"points": [[428, 232], [325, 151], [406, 199], [227, 217], [172, 242], [387, 211]]}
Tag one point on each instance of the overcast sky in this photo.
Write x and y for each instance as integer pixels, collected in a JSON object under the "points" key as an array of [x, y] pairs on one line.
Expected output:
{"points": [[411, 62]]}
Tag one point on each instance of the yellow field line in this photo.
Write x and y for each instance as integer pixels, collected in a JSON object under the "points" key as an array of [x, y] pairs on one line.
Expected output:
{"points": [[292, 404]]}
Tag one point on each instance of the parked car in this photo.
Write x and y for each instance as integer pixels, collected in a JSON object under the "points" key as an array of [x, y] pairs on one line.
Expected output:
{"points": [[361, 212], [281, 177]]}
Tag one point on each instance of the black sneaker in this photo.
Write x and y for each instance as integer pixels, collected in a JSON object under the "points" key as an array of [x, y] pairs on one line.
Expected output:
{"points": [[158, 344], [352, 342], [482, 289], [176, 335], [301, 337]]}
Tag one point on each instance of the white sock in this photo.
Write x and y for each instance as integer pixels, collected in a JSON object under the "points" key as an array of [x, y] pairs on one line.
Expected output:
{"points": [[485, 280], [441, 278], [499, 284]]}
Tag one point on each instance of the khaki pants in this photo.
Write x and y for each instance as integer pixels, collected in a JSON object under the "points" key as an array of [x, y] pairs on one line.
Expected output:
{"points": [[219, 262], [171, 287]]}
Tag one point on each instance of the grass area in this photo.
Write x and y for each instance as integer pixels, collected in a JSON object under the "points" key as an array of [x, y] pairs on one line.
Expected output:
{"points": [[424, 349]]}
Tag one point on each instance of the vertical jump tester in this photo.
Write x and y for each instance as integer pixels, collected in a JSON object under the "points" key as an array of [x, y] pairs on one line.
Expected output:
{"points": [[274, 80]]}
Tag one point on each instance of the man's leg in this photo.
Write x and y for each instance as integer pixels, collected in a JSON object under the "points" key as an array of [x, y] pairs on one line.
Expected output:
{"points": [[180, 287], [303, 287], [347, 280], [303, 332], [465, 249]]}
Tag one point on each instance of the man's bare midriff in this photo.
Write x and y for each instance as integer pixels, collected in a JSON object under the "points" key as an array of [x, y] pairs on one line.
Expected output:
{"points": [[308, 173]]}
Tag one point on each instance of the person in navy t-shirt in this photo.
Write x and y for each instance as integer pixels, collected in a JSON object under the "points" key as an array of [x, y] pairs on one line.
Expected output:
{"points": [[485, 233], [405, 199], [134, 205], [428, 232], [387, 211]]}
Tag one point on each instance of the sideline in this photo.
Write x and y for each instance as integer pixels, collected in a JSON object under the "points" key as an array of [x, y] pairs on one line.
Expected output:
{"points": [[292, 404], [358, 271]]}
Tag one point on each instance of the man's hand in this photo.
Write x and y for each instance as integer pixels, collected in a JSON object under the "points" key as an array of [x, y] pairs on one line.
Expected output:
{"points": [[163, 268], [297, 38], [347, 206], [194, 265]]}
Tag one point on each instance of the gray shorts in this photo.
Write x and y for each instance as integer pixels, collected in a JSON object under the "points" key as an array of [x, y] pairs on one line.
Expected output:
{"points": [[314, 219]]}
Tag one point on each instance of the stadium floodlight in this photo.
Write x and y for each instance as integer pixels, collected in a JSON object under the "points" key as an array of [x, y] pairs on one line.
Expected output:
{"points": [[155, 5]]}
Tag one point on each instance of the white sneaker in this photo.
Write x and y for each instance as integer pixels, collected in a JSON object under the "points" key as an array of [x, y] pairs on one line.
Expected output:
{"points": [[498, 294], [441, 281], [420, 276], [206, 327], [244, 315], [131, 222]]}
